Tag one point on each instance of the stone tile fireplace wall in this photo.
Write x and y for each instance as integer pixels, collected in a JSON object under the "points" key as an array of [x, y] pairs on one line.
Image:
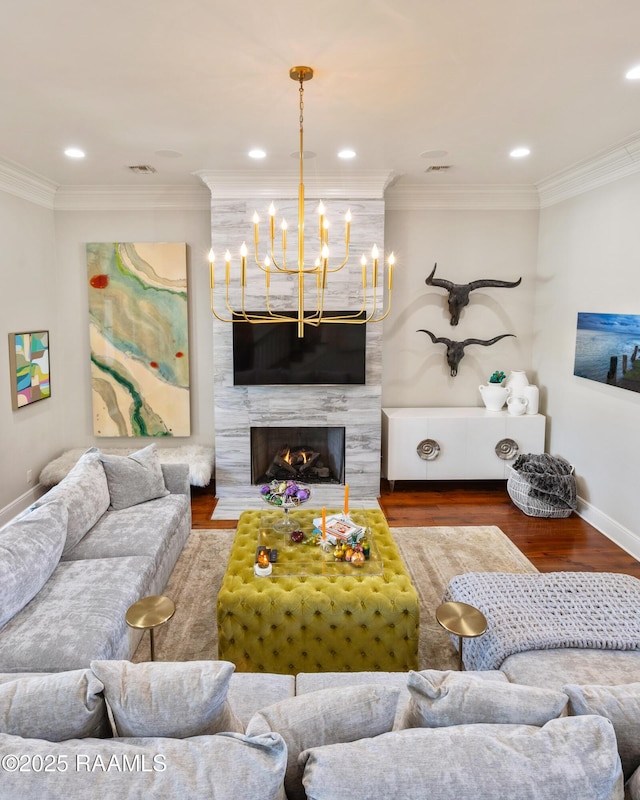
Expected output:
{"points": [[357, 408]]}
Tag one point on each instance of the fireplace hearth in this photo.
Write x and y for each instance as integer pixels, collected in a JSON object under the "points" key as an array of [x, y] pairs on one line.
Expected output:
{"points": [[310, 455]]}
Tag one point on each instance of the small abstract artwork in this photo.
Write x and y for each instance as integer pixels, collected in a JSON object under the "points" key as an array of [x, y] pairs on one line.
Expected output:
{"points": [[139, 338], [608, 349], [29, 365]]}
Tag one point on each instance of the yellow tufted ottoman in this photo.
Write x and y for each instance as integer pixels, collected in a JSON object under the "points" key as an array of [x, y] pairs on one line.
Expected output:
{"points": [[317, 623]]}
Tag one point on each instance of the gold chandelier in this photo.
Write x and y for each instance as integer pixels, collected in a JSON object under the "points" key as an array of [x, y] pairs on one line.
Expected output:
{"points": [[273, 266]]}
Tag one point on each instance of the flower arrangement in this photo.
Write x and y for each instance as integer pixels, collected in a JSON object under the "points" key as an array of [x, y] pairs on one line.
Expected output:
{"points": [[497, 377]]}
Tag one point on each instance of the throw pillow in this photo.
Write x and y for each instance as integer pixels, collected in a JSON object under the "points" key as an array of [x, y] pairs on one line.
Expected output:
{"points": [[489, 762], [85, 492], [177, 699], [63, 705], [30, 550], [135, 478], [632, 786], [325, 717], [227, 766], [456, 698], [621, 705]]}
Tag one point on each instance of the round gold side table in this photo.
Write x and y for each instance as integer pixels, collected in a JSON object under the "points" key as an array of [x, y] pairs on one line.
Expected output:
{"points": [[463, 621], [150, 612]]}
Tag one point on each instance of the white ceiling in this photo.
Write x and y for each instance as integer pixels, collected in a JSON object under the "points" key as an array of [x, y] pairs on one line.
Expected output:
{"points": [[209, 79]]}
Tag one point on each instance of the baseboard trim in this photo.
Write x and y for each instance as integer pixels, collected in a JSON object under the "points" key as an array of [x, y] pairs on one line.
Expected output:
{"points": [[624, 538], [19, 504]]}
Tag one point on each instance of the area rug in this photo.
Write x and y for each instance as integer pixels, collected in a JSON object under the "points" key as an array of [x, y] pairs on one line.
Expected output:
{"points": [[432, 557]]}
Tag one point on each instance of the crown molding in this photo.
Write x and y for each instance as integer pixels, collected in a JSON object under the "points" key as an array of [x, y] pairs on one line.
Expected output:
{"points": [[21, 182], [416, 197], [229, 185], [608, 165], [132, 198]]}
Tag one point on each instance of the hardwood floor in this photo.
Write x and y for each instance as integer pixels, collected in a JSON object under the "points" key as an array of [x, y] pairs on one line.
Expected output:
{"points": [[551, 544]]}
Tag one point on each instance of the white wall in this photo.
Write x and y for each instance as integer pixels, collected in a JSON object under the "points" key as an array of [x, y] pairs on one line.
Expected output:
{"points": [[467, 245], [589, 251], [73, 230], [28, 286], [43, 286]]}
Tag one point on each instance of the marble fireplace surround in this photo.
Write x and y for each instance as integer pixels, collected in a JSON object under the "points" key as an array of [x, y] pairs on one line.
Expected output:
{"points": [[357, 408]]}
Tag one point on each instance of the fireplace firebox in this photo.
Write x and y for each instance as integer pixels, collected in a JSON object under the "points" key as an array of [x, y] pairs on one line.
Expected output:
{"points": [[309, 455]]}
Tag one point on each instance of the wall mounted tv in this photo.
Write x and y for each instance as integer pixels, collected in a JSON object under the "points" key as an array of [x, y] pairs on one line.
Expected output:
{"points": [[271, 353]]}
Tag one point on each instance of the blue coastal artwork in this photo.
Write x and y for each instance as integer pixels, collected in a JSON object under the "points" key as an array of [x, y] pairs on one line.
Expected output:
{"points": [[138, 329], [608, 349]]}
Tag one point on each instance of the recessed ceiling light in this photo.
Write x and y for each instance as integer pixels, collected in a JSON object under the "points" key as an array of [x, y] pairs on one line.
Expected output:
{"points": [[257, 153], [633, 74], [434, 154], [347, 153], [520, 152], [169, 153], [74, 152]]}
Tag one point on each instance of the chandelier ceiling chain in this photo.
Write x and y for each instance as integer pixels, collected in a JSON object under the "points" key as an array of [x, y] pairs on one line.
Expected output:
{"points": [[272, 266]]}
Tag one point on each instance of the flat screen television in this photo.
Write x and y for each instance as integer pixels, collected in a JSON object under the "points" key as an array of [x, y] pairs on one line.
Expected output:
{"points": [[271, 353]]}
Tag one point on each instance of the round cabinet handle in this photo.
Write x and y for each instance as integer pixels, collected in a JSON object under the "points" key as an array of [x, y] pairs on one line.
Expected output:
{"points": [[507, 449], [428, 449]]}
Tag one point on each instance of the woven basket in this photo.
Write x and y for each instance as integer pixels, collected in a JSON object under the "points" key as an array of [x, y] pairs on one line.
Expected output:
{"points": [[519, 491]]}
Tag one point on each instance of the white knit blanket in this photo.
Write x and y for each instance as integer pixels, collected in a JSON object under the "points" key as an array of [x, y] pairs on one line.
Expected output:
{"points": [[544, 611]]}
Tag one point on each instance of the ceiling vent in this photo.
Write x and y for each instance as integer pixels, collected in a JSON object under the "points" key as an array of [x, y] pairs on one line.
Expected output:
{"points": [[142, 168], [438, 168]]}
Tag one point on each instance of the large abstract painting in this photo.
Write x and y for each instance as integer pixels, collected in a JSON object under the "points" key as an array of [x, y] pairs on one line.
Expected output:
{"points": [[138, 327], [29, 365], [608, 349]]}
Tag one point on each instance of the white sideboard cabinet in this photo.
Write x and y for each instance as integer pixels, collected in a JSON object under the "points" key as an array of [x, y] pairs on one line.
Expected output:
{"points": [[455, 443]]}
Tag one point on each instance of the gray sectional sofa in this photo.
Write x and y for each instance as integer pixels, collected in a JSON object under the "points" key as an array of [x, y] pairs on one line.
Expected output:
{"points": [[199, 730], [107, 535]]}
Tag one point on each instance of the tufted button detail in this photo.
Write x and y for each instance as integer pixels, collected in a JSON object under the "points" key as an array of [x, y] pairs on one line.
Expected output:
{"points": [[337, 623]]}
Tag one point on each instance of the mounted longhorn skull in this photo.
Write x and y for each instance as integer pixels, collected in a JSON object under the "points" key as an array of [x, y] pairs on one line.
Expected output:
{"points": [[455, 350], [459, 292]]}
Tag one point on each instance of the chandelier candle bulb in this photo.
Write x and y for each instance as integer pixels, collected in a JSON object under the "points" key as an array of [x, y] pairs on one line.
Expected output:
{"points": [[256, 222], [272, 221], [347, 230], [227, 264], [284, 234], [212, 260], [392, 261], [243, 265]]}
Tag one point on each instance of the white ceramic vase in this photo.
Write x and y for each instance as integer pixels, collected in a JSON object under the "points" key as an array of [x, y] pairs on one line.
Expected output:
{"points": [[531, 393], [516, 406], [516, 381], [494, 395]]}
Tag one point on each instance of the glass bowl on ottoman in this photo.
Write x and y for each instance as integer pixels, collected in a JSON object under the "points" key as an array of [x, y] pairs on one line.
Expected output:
{"points": [[285, 495]]}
